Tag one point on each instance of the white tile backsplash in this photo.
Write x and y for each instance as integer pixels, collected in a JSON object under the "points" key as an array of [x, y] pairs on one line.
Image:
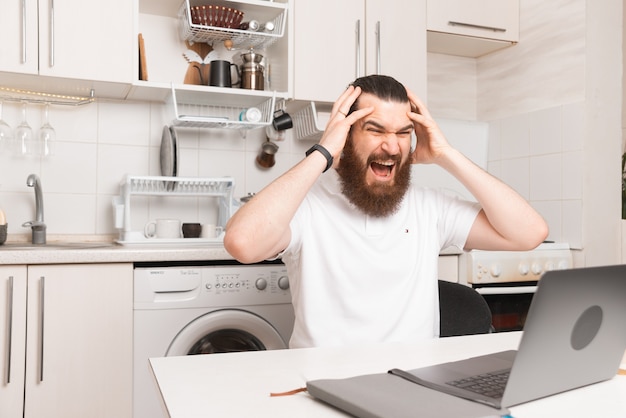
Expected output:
{"points": [[545, 177], [516, 173], [573, 171], [515, 135], [540, 155], [573, 126], [572, 213], [545, 131], [100, 143]]}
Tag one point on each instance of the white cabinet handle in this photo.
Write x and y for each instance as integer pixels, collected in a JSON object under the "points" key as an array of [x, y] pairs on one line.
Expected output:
{"points": [[378, 58], [23, 31], [358, 48], [51, 33], [42, 283], [471, 25], [10, 328]]}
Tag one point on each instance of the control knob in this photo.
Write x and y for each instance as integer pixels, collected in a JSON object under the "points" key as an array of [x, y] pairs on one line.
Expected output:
{"points": [[536, 268], [261, 283], [496, 270], [523, 269], [283, 282]]}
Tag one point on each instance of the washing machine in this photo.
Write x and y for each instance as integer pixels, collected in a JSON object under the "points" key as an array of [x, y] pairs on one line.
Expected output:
{"points": [[204, 308]]}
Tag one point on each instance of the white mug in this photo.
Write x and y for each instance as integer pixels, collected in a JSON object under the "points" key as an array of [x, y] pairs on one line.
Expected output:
{"points": [[163, 228], [211, 231]]}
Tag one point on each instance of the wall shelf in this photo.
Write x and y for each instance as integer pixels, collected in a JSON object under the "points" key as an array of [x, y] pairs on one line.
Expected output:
{"points": [[195, 109]]}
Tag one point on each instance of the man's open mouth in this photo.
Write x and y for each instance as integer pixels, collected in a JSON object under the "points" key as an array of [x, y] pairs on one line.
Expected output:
{"points": [[382, 168]]}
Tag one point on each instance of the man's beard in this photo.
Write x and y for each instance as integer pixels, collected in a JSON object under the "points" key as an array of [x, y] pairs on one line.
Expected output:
{"points": [[380, 199]]}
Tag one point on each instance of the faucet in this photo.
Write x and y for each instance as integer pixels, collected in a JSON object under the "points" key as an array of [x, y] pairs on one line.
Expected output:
{"points": [[38, 226]]}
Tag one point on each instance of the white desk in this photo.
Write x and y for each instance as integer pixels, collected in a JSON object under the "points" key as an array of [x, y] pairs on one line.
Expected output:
{"points": [[239, 384]]}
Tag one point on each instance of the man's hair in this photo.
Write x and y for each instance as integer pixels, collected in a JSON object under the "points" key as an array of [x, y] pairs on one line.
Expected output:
{"points": [[382, 86]]}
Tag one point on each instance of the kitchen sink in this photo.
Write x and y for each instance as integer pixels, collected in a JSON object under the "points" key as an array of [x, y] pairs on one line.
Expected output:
{"points": [[60, 245]]}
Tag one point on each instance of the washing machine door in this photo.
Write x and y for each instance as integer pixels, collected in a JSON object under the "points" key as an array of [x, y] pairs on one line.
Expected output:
{"points": [[225, 331]]}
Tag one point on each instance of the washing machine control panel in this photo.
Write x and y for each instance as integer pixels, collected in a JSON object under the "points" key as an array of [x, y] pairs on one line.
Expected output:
{"points": [[259, 284]]}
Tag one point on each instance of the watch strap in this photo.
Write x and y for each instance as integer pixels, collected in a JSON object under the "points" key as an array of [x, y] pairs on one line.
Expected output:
{"points": [[324, 152]]}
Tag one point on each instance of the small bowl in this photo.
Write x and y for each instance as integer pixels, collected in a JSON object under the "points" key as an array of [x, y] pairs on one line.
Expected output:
{"points": [[3, 233]]}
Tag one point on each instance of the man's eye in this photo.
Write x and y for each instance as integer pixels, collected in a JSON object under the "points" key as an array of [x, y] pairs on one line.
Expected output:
{"points": [[375, 131]]}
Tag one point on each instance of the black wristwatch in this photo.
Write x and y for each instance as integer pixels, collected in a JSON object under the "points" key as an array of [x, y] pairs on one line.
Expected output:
{"points": [[325, 153]]}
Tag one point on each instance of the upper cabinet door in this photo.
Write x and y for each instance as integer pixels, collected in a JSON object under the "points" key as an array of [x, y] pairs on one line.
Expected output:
{"points": [[329, 44], [396, 42], [490, 19], [88, 40], [18, 36]]}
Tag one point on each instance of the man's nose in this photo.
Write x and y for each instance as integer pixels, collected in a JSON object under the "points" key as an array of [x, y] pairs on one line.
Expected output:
{"points": [[391, 144]]}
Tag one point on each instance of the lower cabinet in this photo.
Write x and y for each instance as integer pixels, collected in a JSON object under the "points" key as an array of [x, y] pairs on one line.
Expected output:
{"points": [[449, 268], [12, 340], [67, 341]]}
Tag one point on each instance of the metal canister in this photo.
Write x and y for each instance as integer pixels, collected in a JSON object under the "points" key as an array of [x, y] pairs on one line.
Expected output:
{"points": [[252, 25], [252, 76]]}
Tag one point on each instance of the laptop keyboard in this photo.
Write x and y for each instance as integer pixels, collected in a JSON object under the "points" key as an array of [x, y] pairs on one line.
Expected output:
{"points": [[488, 384]]}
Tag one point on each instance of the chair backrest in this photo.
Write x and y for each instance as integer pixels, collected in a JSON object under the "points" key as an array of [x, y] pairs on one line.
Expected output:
{"points": [[462, 310]]}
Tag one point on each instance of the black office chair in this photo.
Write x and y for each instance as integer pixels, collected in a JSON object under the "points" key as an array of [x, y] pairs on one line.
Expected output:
{"points": [[462, 310]]}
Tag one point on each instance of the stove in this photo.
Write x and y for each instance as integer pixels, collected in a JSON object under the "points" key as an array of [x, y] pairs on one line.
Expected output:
{"points": [[508, 279], [490, 267]]}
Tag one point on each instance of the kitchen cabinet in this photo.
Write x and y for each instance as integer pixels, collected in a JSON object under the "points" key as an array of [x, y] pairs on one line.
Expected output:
{"points": [[448, 267], [12, 340], [70, 39], [77, 340], [472, 28], [336, 42]]}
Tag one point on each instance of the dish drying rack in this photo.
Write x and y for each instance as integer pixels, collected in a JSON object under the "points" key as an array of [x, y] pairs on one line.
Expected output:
{"points": [[242, 39], [221, 187], [192, 109], [308, 123]]}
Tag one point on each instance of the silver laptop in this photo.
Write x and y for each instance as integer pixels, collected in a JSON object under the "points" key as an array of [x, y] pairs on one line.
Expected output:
{"points": [[574, 335]]}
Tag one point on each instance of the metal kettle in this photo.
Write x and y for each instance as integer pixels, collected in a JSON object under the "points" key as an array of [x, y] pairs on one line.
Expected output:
{"points": [[252, 76]]}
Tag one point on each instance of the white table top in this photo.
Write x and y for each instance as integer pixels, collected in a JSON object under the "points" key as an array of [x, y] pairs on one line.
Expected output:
{"points": [[239, 384]]}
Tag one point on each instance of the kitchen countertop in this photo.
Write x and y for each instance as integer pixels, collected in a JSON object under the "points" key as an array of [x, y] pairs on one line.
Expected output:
{"points": [[107, 252], [64, 250]]}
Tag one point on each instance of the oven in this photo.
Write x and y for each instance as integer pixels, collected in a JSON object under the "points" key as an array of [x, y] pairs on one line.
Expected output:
{"points": [[508, 279]]}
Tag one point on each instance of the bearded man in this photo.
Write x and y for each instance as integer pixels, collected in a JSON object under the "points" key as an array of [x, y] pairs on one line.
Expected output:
{"points": [[360, 242]]}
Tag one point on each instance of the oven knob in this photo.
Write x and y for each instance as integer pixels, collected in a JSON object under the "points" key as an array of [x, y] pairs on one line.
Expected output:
{"points": [[563, 264], [495, 270], [283, 282], [549, 266], [523, 269], [536, 269], [261, 284]]}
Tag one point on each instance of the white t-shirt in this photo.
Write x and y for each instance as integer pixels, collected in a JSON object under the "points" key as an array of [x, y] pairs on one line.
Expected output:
{"points": [[358, 279]]}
